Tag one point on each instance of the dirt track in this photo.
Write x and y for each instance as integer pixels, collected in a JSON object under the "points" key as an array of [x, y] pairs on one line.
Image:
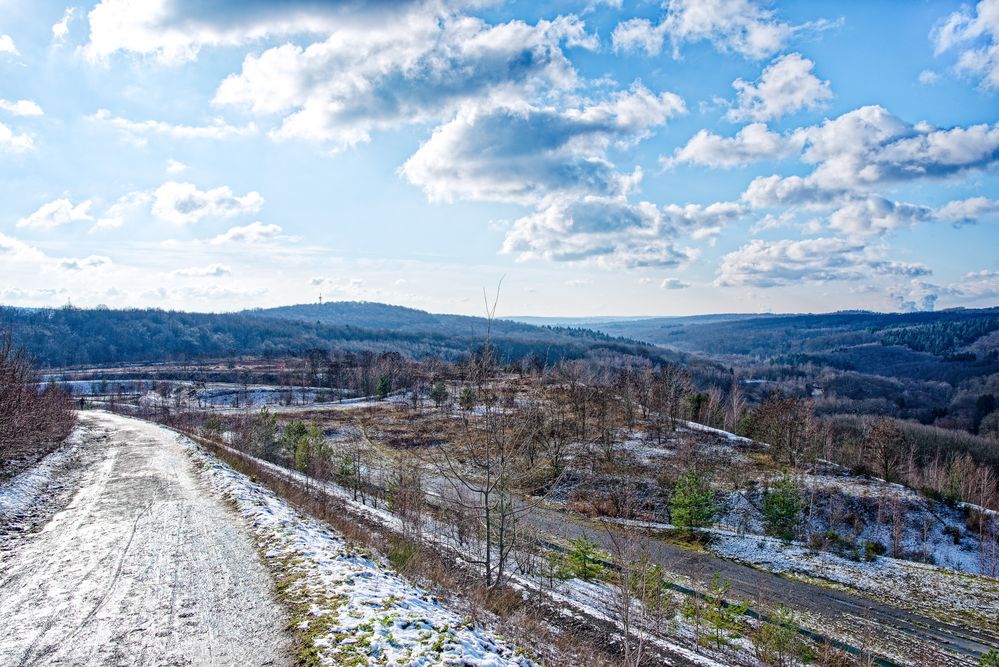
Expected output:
{"points": [[143, 566]]}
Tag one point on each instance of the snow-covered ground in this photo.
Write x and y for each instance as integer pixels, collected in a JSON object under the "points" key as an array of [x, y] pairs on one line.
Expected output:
{"points": [[20, 495], [915, 586], [144, 565], [351, 606]]}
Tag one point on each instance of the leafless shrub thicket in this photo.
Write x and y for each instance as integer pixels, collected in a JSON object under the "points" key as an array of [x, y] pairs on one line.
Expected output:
{"points": [[33, 422]]}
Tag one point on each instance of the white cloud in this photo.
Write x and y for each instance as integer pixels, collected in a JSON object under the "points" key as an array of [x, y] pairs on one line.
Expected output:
{"points": [[175, 167], [136, 131], [969, 211], [254, 232], [786, 86], [174, 31], [752, 143], [779, 263], [525, 154], [21, 108], [976, 36], [126, 205], [210, 271], [57, 213], [183, 203], [7, 45], [417, 67], [868, 148], [874, 215], [638, 34], [60, 30], [12, 249], [84, 264], [607, 232], [928, 77], [10, 142], [673, 283], [742, 26]]}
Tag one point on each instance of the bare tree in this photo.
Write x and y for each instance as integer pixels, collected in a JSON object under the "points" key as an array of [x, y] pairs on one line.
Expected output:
{"points": [[885, 445]]}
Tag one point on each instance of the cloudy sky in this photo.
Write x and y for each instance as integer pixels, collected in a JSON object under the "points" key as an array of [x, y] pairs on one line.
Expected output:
{"points": [[607, 157]]}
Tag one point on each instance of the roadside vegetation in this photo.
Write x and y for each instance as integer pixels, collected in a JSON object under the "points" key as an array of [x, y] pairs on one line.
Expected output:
{"points": [[34, 418]]}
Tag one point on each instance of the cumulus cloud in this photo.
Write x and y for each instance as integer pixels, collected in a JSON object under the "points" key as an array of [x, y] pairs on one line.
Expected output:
{"points": [[183, 203], [975, 35], [137, 131], [175, 167], [741, 26], [611, 232], [928, 77], [525, 154], [255, 232], [60, 29], [21, 108], [14, 249], [417, 67], [57, 213], [11, 142], [752, 143], [117, 214], [175, 31], [673, 283], [772, 264], [786, 86], [91, 262], [638, 34], [210, 271], [869, 148], [969, 211], [874, 215], [7, 45]]}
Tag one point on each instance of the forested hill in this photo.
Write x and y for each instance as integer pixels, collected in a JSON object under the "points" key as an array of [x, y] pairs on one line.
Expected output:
{"points": [[941, 333], [74, 336], [383, 317]]}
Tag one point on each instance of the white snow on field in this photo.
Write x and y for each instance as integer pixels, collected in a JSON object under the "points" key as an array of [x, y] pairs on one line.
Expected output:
{"points": [[360, 611], [20, 494], [916, 585]]}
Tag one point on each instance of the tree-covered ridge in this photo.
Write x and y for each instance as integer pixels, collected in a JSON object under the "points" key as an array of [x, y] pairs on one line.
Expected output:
{"points": [[72, 336], [941, 338]]}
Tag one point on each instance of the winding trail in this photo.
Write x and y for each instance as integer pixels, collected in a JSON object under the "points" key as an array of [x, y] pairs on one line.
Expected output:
{"points": [[143, 566]]}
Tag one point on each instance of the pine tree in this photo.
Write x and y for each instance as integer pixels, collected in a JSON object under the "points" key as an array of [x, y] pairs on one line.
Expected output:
{"points": [[693, 502], [782, 509]]}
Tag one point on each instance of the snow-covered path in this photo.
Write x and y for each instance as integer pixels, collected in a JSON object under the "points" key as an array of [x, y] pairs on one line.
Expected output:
{"points": [[145, 566]]}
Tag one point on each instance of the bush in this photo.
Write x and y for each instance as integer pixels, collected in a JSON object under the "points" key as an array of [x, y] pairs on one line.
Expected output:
{"points": [[990, 659], [581, 561], [32, 422], [692, 504], [782, 509]]}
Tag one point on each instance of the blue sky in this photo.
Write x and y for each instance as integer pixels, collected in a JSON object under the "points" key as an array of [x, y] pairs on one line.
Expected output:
{"points": [[608, 158]]}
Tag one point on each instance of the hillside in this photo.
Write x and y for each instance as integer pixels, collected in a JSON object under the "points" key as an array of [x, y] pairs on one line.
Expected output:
{"points": [[73, 336]]}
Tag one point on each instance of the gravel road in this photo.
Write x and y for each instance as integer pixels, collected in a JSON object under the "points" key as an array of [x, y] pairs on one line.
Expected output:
{"points": [[142, 566]]}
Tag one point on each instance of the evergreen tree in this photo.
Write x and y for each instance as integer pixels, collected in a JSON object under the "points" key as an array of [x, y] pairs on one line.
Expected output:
{"points": [[383, 388], [782, 509], [692, 504], [467, 399], [438, 393]]}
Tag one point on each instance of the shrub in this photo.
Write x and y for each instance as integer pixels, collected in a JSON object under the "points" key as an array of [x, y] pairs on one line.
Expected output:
{"points": [[581, 561], [990, 659], [692, 504], [782, 509]]}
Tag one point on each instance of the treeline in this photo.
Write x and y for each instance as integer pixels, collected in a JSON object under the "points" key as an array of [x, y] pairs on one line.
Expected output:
{"points": [[941, 338], [32, 422], [75, 337]]}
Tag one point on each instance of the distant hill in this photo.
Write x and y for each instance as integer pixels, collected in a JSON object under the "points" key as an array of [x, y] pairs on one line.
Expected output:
{"points": [[948, 345], [75, 337]]}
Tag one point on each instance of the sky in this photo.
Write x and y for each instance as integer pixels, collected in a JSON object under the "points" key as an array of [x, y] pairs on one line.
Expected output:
{"points": [[599, 157]]}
